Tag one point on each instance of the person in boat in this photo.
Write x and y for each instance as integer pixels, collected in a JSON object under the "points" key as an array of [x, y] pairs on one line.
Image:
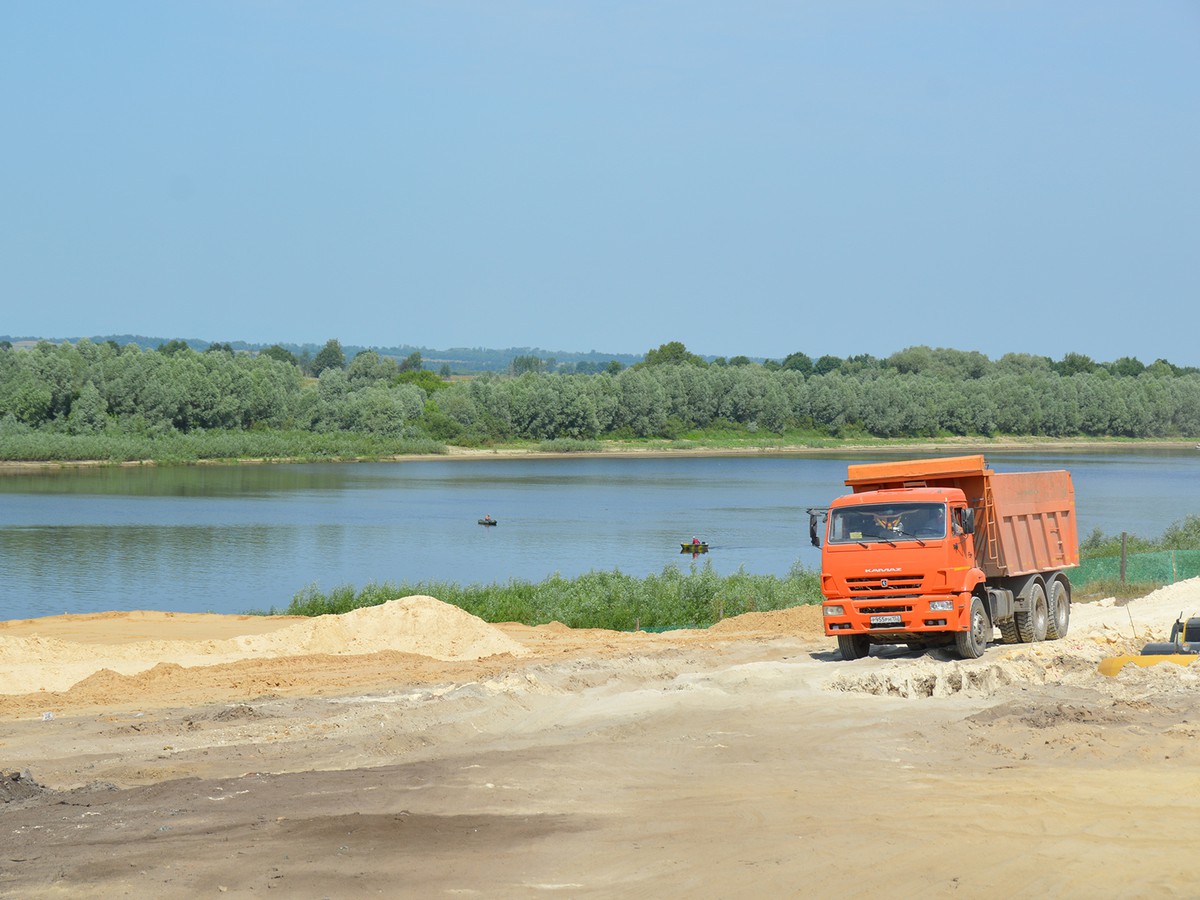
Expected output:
{"points": [[487, 519], [695, 540]]}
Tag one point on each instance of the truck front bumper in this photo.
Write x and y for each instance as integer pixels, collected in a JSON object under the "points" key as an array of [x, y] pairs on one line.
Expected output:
{"points": [[897, 617]]}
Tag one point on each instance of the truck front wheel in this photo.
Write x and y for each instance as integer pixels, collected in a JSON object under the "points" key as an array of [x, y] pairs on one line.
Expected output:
{"points": [[854, 646], [972, 642]]}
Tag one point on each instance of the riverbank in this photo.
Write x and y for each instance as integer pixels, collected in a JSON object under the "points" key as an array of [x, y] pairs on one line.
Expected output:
{"points": [[653, 449], [949, 446]]}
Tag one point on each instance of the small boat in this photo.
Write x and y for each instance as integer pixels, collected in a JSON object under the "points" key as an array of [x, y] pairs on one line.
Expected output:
{"points": [[488, 521], [693, 547]]}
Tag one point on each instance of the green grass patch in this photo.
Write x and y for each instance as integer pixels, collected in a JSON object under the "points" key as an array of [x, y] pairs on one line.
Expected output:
{"points": [[197, 446], [1111, 587], [570, 445], [671, 598]]}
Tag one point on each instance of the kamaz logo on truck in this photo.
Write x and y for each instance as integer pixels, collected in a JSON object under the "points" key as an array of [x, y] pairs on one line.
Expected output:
{"points": [[873, 571]]}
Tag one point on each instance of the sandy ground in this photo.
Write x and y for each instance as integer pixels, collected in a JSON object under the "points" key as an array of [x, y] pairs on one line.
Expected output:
{"points": [[412, 750]]}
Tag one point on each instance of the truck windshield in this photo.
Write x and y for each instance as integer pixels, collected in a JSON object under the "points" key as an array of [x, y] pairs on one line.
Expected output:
{"points": [[892, 522]]}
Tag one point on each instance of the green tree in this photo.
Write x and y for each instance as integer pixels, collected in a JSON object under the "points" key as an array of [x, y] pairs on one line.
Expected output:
{"points": [[412, 362], [1185, 401], [88, 412], [368, 366], [834, 400], [1023, 364], [642, 403], [330, 356], [1095, 399], [827, 364], [170, 348], [1127, 367], [1017, 404], [912, 360], [575, 407], [798, 362], [379, 409], [1075, 364], [673, 353], [523, 364], [280, 353], [23, 396], [423, 378]]}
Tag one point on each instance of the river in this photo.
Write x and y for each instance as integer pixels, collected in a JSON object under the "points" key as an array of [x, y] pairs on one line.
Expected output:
{"points": [[230, 539]]}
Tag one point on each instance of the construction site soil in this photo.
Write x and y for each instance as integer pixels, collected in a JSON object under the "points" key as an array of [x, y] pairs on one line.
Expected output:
{"points": [[412, 750]]}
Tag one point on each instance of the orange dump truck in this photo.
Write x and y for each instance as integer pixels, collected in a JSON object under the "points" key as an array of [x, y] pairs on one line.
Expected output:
{"points": [[932, 552]]}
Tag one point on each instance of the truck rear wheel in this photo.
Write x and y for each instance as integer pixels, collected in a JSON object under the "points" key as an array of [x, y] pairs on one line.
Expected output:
{"points": [[1032, 624], [1058, 609], [1009, 633], [854, 646], [972, 642]]}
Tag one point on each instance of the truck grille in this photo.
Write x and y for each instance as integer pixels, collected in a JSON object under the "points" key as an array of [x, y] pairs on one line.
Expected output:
{"points": [[884, 610], [907, 585]]}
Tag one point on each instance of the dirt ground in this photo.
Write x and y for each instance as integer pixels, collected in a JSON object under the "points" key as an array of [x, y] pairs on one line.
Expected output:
{"points": [[412, 750]]}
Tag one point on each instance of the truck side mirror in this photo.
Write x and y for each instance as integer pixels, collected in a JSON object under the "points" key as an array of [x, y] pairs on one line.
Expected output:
{"points": [[812, 530], [968, 521]]}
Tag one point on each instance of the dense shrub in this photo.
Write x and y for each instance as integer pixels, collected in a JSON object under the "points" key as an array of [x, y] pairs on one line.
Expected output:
{"points": [[88, 390]]}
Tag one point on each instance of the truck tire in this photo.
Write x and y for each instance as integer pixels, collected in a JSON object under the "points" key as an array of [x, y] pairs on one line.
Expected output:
{"points": [[1058, 609], [1032, 624], [1009, 633], [972, 642], [854, 646]]}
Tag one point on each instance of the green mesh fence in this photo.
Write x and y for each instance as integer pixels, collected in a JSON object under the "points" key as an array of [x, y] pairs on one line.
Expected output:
{"points": [[1161, 567]]}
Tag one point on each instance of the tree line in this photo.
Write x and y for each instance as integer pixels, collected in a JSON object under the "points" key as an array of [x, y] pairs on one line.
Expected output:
{"points": [[91, 388]]}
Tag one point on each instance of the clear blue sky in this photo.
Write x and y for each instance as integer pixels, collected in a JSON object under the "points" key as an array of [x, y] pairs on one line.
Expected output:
{"points": [[749, 178]]}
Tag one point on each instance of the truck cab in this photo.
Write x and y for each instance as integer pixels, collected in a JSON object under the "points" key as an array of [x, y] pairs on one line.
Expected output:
{"points": [[899, 561]]}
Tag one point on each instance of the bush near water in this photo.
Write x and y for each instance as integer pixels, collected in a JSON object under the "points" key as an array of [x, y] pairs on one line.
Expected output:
{"points": [[611, 600]]}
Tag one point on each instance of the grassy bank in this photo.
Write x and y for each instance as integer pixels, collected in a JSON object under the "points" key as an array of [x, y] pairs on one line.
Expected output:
{"points": [[179, 448], [611, 600]]}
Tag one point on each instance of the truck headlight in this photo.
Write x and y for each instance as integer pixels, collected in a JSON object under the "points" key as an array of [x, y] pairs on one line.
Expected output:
{"points": [[835, 611], [941, 604]]}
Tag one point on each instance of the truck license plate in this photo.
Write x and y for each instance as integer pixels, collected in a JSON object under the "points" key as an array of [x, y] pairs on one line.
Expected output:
{"points": [[886, 620]]}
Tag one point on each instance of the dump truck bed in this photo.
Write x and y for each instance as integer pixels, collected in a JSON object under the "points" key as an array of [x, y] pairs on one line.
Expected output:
{"points": [[1024, 521]]}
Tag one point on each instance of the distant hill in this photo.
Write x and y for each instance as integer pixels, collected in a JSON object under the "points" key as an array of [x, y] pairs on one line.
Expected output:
{"points": [[459, 359]]}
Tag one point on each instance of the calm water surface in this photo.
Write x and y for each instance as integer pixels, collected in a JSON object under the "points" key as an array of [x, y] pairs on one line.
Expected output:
{"points": [[238, 538]]}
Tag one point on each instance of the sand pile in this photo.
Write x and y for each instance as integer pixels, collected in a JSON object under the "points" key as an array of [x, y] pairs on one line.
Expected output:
{"points": [[800, 621], [419, 625]]}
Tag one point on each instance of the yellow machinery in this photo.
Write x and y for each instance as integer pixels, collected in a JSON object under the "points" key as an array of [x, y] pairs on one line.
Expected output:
{"points": [[1183, 649]]}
